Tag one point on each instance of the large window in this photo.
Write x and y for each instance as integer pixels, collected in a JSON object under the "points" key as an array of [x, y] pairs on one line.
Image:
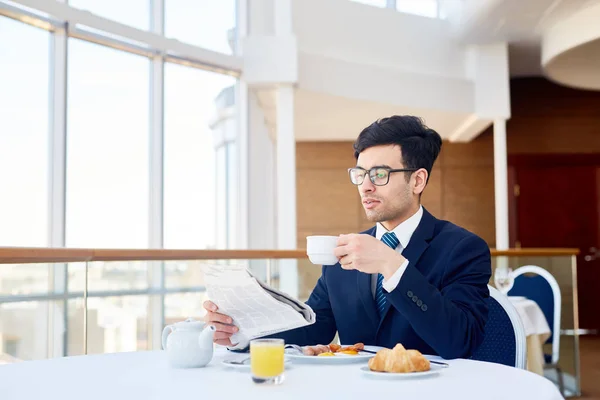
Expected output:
{"points": [[190, 166], [109, 88], [221, 198], [23, 134], [376, 3], [233, 185], [24, 110], [107, 147], [206, 23], [135, 13], [114, 324], [424, 8]]}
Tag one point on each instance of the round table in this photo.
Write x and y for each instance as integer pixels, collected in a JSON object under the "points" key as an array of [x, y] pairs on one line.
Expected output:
{"points": [[146, 375]]}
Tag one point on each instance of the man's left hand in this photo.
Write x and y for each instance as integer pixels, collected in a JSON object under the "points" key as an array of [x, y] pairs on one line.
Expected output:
{"points": [[366, 254]]}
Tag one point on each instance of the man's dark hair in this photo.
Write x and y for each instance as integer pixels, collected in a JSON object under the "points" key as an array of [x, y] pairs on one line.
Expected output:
{"points": [[420, 145]]}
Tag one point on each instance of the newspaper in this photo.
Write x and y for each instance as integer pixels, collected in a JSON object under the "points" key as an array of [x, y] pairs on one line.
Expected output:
{"points": [[256, 309]]}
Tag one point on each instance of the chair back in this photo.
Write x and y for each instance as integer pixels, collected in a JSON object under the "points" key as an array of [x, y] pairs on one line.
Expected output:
{"points": [[504, 339], [539, 285]]}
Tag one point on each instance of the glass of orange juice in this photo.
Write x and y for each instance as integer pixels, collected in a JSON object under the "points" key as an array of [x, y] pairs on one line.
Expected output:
{"points": [[267, 361]]}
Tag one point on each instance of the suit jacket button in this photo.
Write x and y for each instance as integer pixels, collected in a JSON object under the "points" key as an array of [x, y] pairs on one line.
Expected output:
{"points": [[419, 303], [424, 307], [414, 299], [409, 293]]}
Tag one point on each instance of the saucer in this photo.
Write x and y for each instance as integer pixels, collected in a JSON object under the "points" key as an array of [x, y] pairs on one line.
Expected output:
{"points": [[434, 370]]}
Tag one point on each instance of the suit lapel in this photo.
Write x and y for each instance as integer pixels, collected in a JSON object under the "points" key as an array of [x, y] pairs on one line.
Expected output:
{"points": [[365, 293], [417, 245]]}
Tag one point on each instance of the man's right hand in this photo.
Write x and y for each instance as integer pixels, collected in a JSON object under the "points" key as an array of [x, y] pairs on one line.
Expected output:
{"points": [[222, 323]]}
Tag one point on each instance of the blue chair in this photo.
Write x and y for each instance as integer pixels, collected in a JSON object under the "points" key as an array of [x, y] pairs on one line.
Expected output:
{"points": [[539, 285], [504, 339]]}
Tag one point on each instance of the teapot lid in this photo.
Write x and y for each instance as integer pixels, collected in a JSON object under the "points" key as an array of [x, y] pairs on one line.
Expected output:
{"points": [[189, 324]]}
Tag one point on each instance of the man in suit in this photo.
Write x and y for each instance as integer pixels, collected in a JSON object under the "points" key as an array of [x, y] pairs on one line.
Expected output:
{"points": [[411, 279]]}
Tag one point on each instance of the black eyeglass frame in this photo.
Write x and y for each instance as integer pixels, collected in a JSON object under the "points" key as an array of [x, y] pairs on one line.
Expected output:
{"points": [[371, 173]]}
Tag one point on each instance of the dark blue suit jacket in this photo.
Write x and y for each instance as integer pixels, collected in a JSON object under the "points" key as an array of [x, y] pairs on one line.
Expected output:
{"points": [[439, 306]]}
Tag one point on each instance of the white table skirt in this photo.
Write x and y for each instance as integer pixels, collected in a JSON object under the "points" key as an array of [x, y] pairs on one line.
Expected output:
{"points": [[537, 331], [146, 375], [533, 318]]}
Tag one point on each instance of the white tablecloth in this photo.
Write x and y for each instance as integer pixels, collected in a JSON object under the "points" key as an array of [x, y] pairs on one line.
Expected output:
{"points": [[537, 331], [146, 376]]}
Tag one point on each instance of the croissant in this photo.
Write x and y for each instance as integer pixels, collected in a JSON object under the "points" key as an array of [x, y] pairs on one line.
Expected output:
{"points": [[399, 360]]}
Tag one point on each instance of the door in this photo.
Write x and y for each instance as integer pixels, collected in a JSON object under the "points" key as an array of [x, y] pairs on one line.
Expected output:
{"points": [[558, 206]]}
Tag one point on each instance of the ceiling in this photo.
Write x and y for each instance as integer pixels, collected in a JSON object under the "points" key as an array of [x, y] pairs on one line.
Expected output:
{"points": [[578, 67], [323, 117], [521, 23]]}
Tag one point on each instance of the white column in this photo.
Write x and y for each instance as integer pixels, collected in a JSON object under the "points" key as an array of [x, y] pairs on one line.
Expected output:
{"points": [[286, 162], [57, 316], [258, 170], [283, 17], [255, 148], [261, 172], [501, 184], [286, 169], [286, 188]]}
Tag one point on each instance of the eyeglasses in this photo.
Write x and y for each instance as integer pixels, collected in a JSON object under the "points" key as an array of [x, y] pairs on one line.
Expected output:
{"points": [[379, 176]]}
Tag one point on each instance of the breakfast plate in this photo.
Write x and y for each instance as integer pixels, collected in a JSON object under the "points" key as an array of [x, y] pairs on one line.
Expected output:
{"points": [[433, 370], [336, 358]]}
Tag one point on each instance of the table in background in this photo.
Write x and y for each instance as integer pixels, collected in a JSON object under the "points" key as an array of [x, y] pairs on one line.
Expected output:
{"points": [[146, 376], [537, 331]]}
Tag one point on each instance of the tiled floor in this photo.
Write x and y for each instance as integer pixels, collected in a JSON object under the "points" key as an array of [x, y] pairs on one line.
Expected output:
{"points": [[590, 367]]}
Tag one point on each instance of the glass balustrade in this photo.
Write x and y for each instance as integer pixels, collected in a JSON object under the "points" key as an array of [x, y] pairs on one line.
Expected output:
{"points": [[65, 309]]}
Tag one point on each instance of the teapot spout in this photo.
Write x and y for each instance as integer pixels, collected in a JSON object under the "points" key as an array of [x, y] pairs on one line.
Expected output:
{"points": [[207, 335]]}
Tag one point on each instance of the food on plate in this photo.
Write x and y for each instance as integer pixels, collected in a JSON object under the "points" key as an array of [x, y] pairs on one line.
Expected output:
{"points": [[354, 348], [399, 360], [333, 349], [326, 354], [315, 350]]}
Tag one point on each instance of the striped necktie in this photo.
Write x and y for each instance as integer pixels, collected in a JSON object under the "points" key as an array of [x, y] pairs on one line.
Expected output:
{"points": [[391, 240]]}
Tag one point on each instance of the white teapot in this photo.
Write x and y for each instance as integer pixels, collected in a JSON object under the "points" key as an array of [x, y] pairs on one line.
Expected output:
{"points": [[189, 344]]}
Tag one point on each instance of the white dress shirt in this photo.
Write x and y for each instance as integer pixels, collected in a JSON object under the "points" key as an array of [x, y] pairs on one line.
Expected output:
{"points": [[403, 232]]}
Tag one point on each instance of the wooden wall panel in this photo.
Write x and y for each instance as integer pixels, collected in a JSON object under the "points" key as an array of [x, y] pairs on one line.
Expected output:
{"points": [[327, 203], [469, 200], [327, 199], [475, 154], [548, 118], [325, 155], [432, 197]]}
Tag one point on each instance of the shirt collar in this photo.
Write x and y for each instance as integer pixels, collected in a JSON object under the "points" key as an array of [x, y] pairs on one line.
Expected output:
{"points": [[405, 230]]}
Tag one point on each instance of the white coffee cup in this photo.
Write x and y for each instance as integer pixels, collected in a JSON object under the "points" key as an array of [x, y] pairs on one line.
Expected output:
{"points": [[320, 249]]}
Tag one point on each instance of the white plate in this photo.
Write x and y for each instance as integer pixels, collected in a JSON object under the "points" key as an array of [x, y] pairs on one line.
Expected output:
{"points": [[434, 370], [245, 365], [517, 298], [336, 359]]}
